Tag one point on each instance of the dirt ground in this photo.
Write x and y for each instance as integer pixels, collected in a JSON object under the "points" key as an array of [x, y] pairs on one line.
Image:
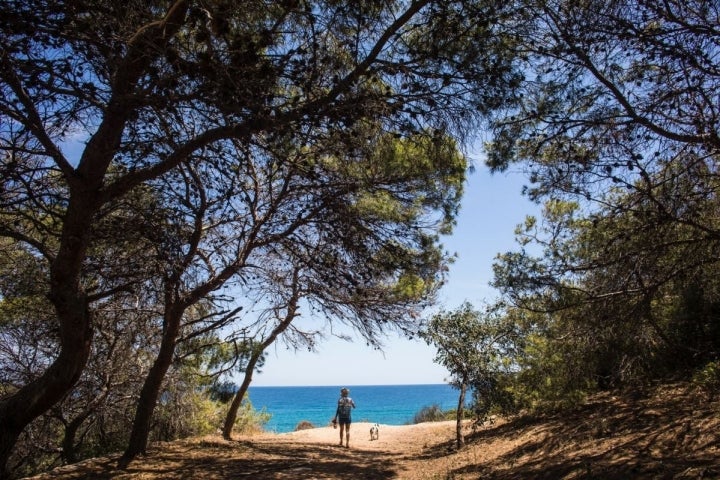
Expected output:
{"points": [[674, 434]]}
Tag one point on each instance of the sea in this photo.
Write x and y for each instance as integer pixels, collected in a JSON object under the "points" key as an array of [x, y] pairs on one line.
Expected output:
{"points": [[383, 404]]}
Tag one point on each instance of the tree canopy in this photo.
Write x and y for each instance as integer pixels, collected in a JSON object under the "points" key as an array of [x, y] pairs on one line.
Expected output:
{"points": [[246, 125], [156, 155], [615, 124], [617, 128]]}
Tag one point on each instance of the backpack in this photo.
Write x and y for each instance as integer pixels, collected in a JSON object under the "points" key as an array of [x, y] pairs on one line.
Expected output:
{"points": [[344, 407]]}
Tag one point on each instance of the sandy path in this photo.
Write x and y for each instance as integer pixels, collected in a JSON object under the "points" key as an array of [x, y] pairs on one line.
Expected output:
{"points": [[399, 452], [393, 438], [670, 435], [403, 452]]}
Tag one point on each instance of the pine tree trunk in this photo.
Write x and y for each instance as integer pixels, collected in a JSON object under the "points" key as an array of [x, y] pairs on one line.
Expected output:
{"points": [[69, 454], [231, 415], [151, 389], [460, 415], [66, 293], [291, 313], [35, 398]]}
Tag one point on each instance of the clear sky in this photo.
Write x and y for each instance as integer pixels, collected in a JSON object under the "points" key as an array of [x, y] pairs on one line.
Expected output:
{"points": [[492, 207]]}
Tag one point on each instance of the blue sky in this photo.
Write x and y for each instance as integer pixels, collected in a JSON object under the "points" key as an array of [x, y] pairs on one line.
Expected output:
{"points": [[492, 207]]}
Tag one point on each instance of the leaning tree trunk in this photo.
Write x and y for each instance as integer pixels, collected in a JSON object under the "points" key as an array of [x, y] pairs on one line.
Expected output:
{"points": [[461, 414], [75, 334], [69, 451], [18, 410], [151, 389], [84, 182], [250, 368], [231, 415]]}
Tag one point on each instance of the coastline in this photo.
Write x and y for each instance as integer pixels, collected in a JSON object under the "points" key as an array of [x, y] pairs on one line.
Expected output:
{"points": [[384, 404]]}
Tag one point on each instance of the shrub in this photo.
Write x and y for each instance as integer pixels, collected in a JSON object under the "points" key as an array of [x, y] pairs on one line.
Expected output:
{"points": [[707, 379], [452, 413], [304, 425], [431, 413], [250, 420]]}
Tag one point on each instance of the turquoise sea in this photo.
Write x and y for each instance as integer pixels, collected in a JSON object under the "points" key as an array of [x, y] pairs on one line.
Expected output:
{"points": [[384, 404]]}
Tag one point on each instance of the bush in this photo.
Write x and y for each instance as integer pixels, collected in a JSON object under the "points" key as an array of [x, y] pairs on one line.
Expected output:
{"points": [[182, 413], [707, 379], [432, 413], [250, 420], [452, 413], [304, 425], [196, 414]]}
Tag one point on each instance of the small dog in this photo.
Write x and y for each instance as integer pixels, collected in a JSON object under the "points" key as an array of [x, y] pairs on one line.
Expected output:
{"points": [[374, 432]]}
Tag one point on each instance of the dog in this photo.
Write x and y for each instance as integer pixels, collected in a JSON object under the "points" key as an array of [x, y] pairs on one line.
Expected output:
{"points": [[374, 432]]}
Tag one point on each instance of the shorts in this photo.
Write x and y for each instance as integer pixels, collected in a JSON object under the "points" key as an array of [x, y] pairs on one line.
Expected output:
{"points": [[344, 420]]}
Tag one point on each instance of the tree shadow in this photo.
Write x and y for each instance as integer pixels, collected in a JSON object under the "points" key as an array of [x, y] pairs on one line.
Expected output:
{"points": [[216, 460], [609, 439]]}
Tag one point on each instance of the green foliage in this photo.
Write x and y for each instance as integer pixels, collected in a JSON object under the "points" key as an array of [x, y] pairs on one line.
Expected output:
{"points": [[180, 415], [250, 420], [410, 286], [250, 133], [354, 147], [623, 264], [451, 414], [707, 379], [549, 376], [432, 413], [222, 392], [479, 350], [194, 414], [689, 312], [615, 311]]}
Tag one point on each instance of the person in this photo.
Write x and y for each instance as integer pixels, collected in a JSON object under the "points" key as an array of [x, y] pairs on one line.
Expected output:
{"points": [[345, 405]]}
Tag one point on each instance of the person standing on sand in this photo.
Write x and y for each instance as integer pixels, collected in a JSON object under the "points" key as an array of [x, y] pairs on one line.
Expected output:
{"points": [[342, 415]]}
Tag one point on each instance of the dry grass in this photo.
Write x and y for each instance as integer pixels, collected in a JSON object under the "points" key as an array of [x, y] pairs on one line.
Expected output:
{"points": [[673, 434]]}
